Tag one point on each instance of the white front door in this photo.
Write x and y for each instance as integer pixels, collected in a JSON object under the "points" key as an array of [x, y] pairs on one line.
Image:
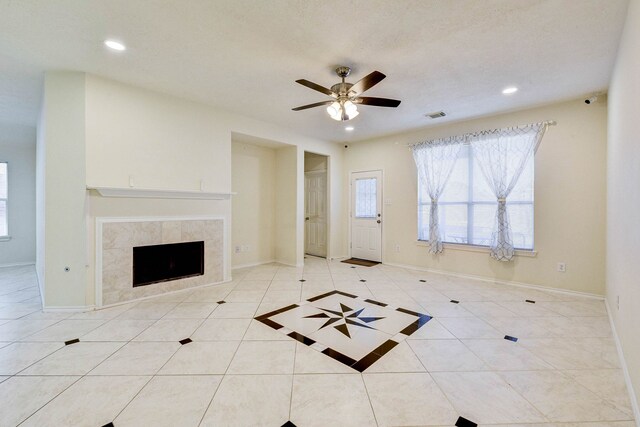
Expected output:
{"points": [[366, 215], [315, 213]]}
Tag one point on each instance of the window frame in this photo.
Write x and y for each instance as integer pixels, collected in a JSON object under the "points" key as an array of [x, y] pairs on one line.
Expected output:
{"points": [[6, 237], [470, 208]]}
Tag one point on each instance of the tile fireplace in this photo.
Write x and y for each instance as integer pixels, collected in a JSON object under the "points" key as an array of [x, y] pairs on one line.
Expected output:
{"points": [[142, 257]]}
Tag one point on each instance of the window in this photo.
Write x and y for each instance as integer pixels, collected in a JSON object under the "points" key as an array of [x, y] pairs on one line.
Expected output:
{"points": [[467, 206], [366, 198], [4, 193]]}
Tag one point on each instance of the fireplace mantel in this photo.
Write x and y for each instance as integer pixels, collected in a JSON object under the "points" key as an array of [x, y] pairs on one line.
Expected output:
{"points": [[151, 193]]}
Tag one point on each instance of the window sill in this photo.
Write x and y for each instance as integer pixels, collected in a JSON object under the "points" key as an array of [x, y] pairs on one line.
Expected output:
{"points": [[5, 238], [474, 248]]}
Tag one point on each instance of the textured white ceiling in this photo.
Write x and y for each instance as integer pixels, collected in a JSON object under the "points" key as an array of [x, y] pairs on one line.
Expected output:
{"points": [[244, 55]]}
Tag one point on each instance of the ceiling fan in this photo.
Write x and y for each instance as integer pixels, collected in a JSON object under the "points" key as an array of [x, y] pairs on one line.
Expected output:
{"points": [[346, 96]]}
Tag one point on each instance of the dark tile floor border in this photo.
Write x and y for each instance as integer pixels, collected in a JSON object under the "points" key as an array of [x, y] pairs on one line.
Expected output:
{"points": [[369, 359], [463, 422]]}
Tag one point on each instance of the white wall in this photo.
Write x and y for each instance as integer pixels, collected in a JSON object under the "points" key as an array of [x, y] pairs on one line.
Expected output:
{"points": [[174, 143], [265, 210], [335, 153], [287, 212], [623, 179], [569, 190], [63, 200], [253, 208], [163, 142], [18, 148], [314, 162], [40, 207]]}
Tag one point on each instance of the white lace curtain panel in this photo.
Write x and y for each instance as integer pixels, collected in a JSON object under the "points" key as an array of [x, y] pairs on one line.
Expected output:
{"points": [[435, 161], [501, 154]]}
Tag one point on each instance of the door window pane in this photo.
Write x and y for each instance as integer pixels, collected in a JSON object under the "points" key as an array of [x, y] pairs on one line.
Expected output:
{"points": [[366, 198]]}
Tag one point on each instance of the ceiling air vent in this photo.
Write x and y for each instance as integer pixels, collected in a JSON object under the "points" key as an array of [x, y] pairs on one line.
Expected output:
{"points": [[436, 115]]}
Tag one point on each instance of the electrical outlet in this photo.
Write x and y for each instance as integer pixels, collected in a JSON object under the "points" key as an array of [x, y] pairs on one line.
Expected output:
{"points": [[238, 249], [397, 248], [562, 267]]}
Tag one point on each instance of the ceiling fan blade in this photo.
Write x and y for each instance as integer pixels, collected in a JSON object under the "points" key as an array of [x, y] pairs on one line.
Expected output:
{"points": [[367, 82], [317, 104], [378, 102], [314, 86]]}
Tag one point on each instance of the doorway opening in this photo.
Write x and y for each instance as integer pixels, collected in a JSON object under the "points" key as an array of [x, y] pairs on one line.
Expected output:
{"points": [[264, 212], [315, 204]]}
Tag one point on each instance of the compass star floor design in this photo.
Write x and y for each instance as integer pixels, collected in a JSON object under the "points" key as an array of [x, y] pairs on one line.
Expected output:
{"points": [[352, 330], [347, 316]]}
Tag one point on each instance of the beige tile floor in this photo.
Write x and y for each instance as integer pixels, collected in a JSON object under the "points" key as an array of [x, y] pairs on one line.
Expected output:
{"points": [[129, 368]]}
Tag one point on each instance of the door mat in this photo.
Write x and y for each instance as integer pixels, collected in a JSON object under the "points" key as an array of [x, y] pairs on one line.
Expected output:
{"points": [[361, 262]]}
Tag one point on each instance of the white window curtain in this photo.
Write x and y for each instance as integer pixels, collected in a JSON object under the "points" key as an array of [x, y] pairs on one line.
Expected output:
{"points": [[435, 161], [502, 155]]}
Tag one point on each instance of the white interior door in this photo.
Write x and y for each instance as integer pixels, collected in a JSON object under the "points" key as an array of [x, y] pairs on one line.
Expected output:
{"points": [[315, 213], [366, 215]]}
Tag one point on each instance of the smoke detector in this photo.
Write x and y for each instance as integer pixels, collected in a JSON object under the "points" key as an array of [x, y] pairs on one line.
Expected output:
{"points": [[436, 115]]}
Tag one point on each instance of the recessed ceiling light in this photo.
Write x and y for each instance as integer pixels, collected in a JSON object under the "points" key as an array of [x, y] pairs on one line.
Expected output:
{"points": [[509, 90], [112, 44], [349, 128]]}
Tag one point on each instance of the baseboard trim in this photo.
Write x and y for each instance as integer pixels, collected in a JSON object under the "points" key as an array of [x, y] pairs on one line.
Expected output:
{"points": [[288, 264], [18, 264], [40, 287], [69, 309], [253, 264], [623, 364], [273, 261], [116, 304], [500, 282]]}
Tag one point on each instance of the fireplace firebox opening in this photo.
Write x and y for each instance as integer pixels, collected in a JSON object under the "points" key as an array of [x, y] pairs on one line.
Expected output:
{"points": [[162, 263]]}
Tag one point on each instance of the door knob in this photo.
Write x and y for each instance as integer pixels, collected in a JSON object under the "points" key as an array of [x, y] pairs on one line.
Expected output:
{"points": [[378, 221], [306, 219]]}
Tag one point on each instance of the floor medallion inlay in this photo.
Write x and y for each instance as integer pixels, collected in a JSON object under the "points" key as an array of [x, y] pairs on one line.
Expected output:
{"points": [[352, 330]]}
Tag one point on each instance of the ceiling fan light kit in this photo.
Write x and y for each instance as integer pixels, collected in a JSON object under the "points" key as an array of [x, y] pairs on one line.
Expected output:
{"points": [[342, 111], [346, 96]]}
